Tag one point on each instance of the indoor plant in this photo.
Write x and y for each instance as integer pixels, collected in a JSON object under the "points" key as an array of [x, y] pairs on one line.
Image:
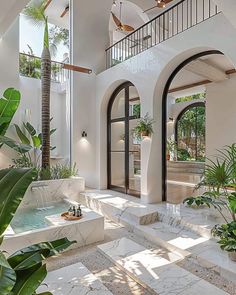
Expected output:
{"points": [[219, 183], [144, 127], [171, 148], [23, 271]]}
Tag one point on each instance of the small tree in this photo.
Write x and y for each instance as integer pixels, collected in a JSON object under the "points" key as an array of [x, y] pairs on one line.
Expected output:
{"points": [[35, 11]]}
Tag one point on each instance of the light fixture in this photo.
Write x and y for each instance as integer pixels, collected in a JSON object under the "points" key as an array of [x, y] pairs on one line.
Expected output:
{"points": [[171, 119], [114, 3], [84, 134]]}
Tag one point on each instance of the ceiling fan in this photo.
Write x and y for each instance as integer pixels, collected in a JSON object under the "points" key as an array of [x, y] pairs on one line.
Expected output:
{"points": [[65, 10], [120, 26], [160, 4]]}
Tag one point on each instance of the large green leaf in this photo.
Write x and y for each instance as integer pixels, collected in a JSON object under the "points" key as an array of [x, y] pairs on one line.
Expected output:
{"points": [[7, 276], [18, 147], [29, 280], [55, 247], [232, 202], [30, 128], [36, 141], [24, 260], [8, 106], [13, 185], [23, 138]]}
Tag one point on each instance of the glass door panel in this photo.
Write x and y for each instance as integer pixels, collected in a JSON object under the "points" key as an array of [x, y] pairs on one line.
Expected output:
{"points": [[134, 161], [118, 106], [123, 149]]}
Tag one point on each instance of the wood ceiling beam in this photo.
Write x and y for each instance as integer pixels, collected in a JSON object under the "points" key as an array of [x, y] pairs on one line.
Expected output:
{"points": [[184, 87], [47, 4], [77, 69], [204, 82]]}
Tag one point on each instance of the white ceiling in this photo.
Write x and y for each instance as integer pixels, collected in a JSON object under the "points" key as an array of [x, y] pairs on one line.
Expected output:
{"points": [[54, 12], [185, 77]]}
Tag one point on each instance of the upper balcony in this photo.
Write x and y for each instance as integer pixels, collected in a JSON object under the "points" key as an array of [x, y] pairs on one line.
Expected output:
{"points": [[173, 21]]}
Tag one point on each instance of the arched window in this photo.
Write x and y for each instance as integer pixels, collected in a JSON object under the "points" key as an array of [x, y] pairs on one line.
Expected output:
{"points": [[123, 151], [190, 133]]}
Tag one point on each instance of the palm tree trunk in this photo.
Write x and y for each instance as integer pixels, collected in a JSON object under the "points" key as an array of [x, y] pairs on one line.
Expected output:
{"points": [[46, 85]]}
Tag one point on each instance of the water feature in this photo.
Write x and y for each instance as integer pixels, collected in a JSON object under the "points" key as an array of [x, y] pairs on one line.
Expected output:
{"points": [[34, 218]]}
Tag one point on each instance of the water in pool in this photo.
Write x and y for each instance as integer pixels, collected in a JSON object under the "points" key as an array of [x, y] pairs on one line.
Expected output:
{"points": [[31, 219]]}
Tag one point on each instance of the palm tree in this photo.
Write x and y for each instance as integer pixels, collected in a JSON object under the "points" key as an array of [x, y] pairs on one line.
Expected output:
{"points": [[35, 12]]}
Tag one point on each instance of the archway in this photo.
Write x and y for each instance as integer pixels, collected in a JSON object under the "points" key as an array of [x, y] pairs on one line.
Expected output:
{"points": [[190, 133], [193, 64], [124, 154]]}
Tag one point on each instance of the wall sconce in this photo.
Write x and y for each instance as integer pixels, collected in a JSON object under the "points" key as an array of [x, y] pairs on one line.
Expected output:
{"points": [[171, 119], [84, 134]]}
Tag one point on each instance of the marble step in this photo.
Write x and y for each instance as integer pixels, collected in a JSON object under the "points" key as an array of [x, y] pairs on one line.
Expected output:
{"points": [[182, 242], [114, 206], [152, 271], [74, 279]]}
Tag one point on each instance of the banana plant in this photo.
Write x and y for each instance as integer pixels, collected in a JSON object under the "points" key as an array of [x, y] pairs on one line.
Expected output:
{"points": [[8, 106], [24, 271], [28, 141]]}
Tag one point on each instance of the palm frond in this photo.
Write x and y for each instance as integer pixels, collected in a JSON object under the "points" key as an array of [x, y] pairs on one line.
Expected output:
{"points": [[35, 12]]}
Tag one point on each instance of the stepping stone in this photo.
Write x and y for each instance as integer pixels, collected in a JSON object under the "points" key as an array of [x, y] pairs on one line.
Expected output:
{"points": [[155, 273], [74, 280], [114, 206]]}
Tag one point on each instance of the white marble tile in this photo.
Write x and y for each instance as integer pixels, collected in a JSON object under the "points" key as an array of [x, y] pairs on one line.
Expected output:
{"points": [[116, 207], [88, 230], [73, 280], [154, 272]]}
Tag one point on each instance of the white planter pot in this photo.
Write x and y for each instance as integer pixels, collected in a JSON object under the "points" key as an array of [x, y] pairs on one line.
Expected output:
{"points": [[45, 192]]}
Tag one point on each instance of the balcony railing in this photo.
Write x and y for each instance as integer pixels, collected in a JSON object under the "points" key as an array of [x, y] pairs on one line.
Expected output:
{"points": [[30, 66], [173, 21]]}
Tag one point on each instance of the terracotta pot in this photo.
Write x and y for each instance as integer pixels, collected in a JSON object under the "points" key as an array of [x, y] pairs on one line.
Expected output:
{"points": [[168, 157], [145, 134], [232, 256]]}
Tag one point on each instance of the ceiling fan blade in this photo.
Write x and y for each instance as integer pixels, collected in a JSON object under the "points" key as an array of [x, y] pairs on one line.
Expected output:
{"points": [[163, 3], [116, 20], [127, 28], [65, 11], [47, 4]]}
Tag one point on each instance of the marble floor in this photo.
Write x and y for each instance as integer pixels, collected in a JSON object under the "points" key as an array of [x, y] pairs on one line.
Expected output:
{"points": [[119, 282]]}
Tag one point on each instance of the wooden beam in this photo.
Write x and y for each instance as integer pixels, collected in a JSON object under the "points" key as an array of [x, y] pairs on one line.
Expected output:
{"points": [[228, 72], [47, 4], [134, 99], [77, 69], [189, 86]]}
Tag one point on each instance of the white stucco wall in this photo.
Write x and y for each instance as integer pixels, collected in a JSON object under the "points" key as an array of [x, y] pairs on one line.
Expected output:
{"points": [[220, 115], [149, 72]]}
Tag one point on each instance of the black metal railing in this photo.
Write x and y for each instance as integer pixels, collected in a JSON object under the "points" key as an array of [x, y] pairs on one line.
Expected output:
{"points": [[178, 18], [30, 66]]}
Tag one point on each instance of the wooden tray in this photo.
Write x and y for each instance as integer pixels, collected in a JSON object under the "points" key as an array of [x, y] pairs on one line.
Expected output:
{"points": [[66, 216]]}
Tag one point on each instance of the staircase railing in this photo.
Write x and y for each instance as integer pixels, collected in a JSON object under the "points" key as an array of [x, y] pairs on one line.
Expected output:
{"points": [[173, 21]]}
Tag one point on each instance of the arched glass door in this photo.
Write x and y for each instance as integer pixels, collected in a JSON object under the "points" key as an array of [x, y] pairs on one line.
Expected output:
{"points": [[190, 133], [124, 155]]}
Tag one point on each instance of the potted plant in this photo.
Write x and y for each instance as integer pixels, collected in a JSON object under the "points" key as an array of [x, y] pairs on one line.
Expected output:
{"points": [[171, 148], [227, 235], [219, 183], [144, 127]]}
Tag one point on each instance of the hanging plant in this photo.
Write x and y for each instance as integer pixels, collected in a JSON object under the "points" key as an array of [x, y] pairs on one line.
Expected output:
{"points": [[144, 127]]}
